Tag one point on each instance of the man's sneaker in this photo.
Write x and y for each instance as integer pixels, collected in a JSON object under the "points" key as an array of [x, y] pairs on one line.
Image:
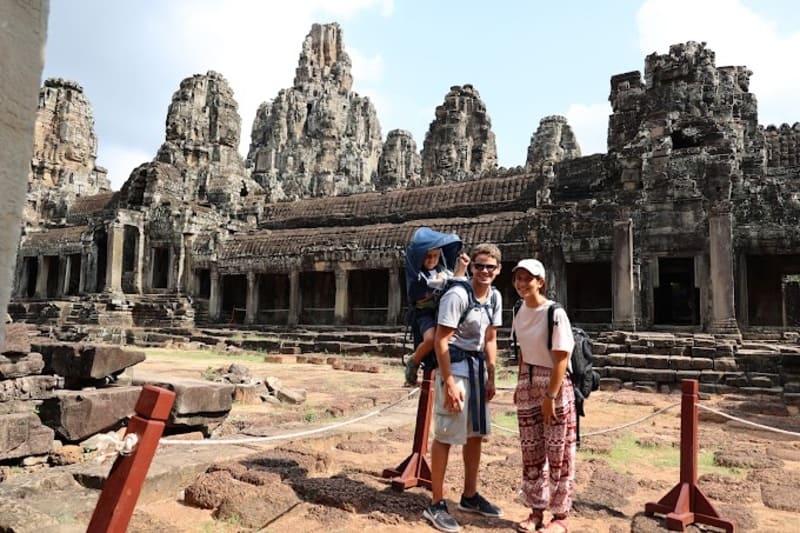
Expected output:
{"points": [[439, 518], [479, 504], [411, 372]]}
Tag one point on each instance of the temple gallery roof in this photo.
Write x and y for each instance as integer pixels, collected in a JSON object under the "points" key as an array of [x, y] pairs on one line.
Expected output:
{"points": [[54, 241], [506, 228], [468, 198]]}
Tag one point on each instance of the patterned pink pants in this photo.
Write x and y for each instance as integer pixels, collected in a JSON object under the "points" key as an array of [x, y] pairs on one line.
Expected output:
{"points": [[548, 453]]}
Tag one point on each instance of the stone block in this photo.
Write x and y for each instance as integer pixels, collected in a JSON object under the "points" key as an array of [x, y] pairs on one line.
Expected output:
{"points": [[29, 388], [699, 351], [75, 415], [762, 381], [617, 359], [725, 364], [281, 359], [656, 361], [792, 387], [289, 350], [93, 362], [192, 395], [17, 366], [17, 340], [23, 434], [680, 363], [702, 363], [610, 384], [687, 374], [292, 396], [599, 348]]}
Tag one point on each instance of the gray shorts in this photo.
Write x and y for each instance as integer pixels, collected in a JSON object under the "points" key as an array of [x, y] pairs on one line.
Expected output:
{"points": [[454, 428]]}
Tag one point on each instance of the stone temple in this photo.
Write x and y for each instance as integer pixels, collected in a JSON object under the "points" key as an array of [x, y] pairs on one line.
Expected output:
{"points": [[690, 221]]}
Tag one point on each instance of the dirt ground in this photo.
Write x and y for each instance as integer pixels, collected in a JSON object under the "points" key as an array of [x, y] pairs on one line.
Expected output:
{"points": [[334, 483]]}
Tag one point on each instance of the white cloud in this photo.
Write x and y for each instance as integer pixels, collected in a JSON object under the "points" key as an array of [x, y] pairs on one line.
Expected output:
{"points": [[255, 46], [366, 69], [120, 162], [739, 36], [589, 122]]}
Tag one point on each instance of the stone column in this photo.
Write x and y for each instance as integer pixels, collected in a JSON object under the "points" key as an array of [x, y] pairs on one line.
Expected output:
{"points": [[341, 305], [41, 278], [188, 266], [743, 304], [151, 270], [171, 275], [395, 298], [21, 277], [116, 236], [214, 299], [138, 276], [294, 298], [623, 315], [720, 233], [251, 308], [85, 260], [67, 273], [556, 269], [22, 37], [180, 278]]}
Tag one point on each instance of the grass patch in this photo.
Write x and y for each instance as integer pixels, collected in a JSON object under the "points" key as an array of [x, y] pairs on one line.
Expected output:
{"points": [[628, 453], [507, 420]]}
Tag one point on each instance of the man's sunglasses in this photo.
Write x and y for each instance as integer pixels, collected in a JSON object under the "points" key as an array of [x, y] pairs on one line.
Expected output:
{"points": [[481, 266]]}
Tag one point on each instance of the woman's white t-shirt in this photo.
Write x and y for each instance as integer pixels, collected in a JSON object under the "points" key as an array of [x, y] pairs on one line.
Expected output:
{"points": [[530, 327]]}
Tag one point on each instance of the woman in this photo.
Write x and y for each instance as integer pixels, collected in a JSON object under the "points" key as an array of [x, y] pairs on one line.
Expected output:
{"points": [[545, 403]]}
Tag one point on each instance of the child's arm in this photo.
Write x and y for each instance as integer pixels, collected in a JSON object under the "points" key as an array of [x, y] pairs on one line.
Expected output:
{"points": [[461, 265]]}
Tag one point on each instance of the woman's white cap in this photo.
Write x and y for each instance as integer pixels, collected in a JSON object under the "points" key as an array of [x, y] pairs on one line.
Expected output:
{"points": [[534, 266]]}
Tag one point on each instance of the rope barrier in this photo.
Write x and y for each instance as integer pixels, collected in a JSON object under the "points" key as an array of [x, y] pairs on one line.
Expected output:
{"points": [[607, 430], [662, 410], [248, 440], [743, 421]]}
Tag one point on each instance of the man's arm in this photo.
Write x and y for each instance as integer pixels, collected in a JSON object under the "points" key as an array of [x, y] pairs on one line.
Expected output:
{"points": [[491, 360], [454, 398]]}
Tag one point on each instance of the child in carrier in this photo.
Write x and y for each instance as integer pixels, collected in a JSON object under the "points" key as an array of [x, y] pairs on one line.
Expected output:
{"points": [[433, 276]]}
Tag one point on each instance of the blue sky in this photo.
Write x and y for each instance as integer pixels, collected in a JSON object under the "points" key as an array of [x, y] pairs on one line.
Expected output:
{"points": [[528, 59]]}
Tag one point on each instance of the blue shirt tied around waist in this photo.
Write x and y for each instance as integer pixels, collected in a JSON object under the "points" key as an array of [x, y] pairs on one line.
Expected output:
{"points": [[477, 391]]}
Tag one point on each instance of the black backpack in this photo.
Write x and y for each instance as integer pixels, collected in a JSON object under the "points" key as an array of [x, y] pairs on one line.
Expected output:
{"points": [[430, 360], [584, 378]]}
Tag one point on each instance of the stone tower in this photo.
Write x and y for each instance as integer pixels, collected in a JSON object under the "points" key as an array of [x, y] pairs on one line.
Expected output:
{"points": [[460, 142], [400, 164], [63, 166], [317, 138], [552, 142], [203, 129]]}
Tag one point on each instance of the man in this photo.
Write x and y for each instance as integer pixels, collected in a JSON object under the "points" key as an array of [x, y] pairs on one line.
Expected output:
{"points": [[466, 351]]}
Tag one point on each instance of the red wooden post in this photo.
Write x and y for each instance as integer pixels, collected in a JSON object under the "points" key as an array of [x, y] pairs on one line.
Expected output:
{"points": [[686, 504], [415, 470], [121, 490]]}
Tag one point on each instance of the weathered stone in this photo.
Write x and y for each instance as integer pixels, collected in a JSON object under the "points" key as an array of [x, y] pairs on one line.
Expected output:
{"points": [[75, 415], [64, 152], [293, 396], [193, 396], [17, 340], [317, 138], [66, 455], [400, 164], [459, 142], [29, 388], [86, 362], [23, 434], [16, 367]]}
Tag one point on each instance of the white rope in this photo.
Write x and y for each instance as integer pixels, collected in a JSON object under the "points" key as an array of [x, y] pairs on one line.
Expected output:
{"points": [[291, 435], [110, 445], [608, 430], [743, 421], [629, 424]]}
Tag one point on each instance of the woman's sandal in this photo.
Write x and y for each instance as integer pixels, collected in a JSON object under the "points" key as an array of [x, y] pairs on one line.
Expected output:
{"points": [[558, 525], [534, 522]]}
